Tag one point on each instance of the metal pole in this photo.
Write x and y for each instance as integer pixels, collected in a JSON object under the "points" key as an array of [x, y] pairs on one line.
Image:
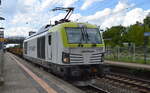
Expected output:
{"points": [[144, 53], [1, 63], [134, 52], [144, 47], [1, 51]]}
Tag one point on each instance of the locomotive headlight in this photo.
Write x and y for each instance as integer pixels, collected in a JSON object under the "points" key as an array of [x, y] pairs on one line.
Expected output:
{"points": [[65, 57], [66, 60]]}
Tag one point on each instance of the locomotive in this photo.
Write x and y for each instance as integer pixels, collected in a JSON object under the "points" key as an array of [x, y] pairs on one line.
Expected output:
{"points": [[71, 50]]}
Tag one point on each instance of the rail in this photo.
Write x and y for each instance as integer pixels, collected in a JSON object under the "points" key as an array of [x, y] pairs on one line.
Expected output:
{"points": [[140, 85], [98, 89]]}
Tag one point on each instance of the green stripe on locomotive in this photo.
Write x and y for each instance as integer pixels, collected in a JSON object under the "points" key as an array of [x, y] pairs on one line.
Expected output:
{"points": [[61, 28]]}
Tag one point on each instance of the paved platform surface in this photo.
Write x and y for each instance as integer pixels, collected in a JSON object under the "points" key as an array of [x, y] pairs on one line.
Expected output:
{"points": [[19, 79], [15, 80], [130, 65]]}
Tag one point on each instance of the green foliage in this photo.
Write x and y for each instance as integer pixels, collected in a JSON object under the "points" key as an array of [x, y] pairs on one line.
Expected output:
{"points": [[113, 36], [147, 21], [117, 35], [135, 34]]}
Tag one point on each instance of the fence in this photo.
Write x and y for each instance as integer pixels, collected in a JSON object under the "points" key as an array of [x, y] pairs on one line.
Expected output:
{"points": [[128, 54]]}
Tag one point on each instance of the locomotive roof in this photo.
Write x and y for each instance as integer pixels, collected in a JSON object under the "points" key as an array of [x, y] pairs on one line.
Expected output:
{"points": [[77, 24], [62, 25]]}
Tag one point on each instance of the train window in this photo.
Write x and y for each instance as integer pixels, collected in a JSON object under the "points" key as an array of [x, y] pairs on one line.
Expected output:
{"points": [[25, 47], [41, 47], [49, 39]]}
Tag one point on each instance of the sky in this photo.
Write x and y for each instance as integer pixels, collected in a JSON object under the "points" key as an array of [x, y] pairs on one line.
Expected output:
{"points": [[23, 16]]}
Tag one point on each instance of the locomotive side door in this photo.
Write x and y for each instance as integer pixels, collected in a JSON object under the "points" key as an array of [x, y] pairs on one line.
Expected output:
{"points": [[49, 47]]}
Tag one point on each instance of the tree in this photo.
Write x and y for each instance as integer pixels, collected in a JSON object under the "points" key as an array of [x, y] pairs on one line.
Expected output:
{"points": [[117, 35], [113, 36], [147, 21], [135, 34]]}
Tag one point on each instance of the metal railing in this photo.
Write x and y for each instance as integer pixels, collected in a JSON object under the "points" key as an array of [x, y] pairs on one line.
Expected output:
{"points": [[128, 54]]}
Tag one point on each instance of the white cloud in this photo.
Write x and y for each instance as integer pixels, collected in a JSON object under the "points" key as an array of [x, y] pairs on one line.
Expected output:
{"points": [[134, 15], [87, 3], [120, 15], [21, 18], [38, 21], [29, 2], [68, 3], [32, 14], [18, 31], [73, 17], [121, 6], [49, 3], [97, 16]]}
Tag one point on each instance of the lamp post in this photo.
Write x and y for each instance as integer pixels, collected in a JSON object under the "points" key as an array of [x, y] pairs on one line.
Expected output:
{"points": [[145, 42]]}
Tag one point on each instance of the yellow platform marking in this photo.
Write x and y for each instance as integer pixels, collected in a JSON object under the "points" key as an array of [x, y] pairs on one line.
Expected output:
{"points": [[42, 83]]}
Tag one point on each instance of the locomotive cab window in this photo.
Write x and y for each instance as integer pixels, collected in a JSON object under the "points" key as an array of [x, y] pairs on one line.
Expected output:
{"points": [[85, 36], [49, 39]]}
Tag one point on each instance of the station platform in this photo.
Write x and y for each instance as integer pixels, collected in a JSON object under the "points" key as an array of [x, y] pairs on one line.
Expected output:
{"points": [[22, 77], [128, 65]]}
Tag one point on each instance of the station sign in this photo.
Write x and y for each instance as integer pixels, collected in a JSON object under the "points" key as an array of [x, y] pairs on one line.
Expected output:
{"points": [[146, 33]]}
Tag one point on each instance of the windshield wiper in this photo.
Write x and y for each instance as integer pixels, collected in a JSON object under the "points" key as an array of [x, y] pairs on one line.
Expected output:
{"points": [[87, 38], [82, 38], [86, 34]]}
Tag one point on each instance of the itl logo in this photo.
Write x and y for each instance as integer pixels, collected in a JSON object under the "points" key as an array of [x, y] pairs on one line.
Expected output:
{"points": [[31, 48], [87, 51]]}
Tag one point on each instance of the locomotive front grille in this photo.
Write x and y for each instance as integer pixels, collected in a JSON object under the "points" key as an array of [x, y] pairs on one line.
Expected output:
{"points": [[97, 57], [76, 58], [93, 58]]}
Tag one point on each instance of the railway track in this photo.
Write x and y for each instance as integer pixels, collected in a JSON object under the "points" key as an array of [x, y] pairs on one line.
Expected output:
{"points": [[91, 88], [98, 89], [143, 86]]}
